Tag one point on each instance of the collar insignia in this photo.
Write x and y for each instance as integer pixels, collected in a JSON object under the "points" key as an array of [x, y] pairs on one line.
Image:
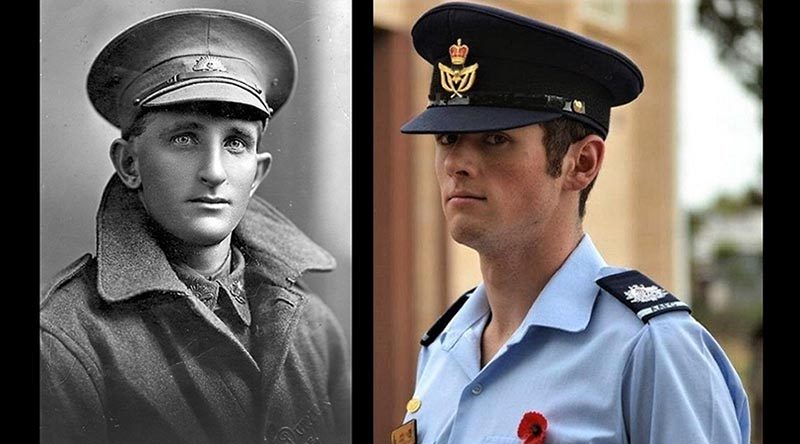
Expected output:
{"points": [[209, 63], [458, 78]]}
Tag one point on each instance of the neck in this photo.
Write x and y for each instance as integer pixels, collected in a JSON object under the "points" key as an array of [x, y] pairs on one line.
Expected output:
{"points": [[514, 278], [204, 259]]}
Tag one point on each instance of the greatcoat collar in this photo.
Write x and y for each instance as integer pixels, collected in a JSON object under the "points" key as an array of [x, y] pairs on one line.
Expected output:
{"points": [[130, 261]]}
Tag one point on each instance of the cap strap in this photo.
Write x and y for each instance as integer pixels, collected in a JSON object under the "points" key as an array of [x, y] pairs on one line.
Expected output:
{"points": [[180, 80], [512, 100]]}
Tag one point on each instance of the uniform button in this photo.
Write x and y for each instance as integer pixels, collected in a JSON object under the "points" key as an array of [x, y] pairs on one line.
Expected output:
{"points": [[477, 389], [413, 405]]}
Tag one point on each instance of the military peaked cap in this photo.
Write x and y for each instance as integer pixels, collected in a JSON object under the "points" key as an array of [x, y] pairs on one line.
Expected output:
{"points": [[192, 55], [495, 70]]}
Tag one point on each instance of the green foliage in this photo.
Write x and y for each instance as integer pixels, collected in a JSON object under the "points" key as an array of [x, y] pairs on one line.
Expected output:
{"points": [[724, 251], [738, 28], [727, 204], [740, 319]]}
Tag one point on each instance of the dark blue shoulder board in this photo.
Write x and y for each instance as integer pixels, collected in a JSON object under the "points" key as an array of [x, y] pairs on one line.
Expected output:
{"points": [[640, 294], [444, 319]]}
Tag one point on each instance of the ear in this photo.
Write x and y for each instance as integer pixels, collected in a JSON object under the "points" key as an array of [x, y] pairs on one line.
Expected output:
{"points": [[123, 156], [263, 163], [583, 162]]}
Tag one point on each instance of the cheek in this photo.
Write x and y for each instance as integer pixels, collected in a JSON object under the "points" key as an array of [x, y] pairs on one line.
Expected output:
{"points": [[159, 173], [438, 168], [242, 172], [522, 188]]}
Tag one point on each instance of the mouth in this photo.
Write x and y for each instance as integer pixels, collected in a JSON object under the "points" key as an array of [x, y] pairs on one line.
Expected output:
{"points": [[464, 196], [211, 200]]}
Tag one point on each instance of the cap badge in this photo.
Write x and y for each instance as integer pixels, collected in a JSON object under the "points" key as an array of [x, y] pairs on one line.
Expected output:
{"points": [[639, 293], [458, 78], [209, 63]]}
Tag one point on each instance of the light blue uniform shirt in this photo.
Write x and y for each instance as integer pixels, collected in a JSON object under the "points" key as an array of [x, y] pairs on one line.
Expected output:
{"points": [[584, 360]]}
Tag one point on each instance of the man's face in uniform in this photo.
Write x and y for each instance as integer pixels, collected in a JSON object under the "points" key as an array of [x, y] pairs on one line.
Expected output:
{"points": [[197, 172], [495, 188]]}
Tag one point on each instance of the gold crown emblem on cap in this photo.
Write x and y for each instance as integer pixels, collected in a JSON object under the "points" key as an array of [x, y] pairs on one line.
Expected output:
{"points": [[209, 63], [458, 53], [459, 78]]}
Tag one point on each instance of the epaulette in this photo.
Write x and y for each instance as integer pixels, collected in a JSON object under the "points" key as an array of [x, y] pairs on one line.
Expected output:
{"points": [[441, 323], [640, 294], [63, 276]]}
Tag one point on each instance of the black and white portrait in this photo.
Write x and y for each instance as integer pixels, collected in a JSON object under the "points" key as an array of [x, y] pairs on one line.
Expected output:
{"points": [[304, 189]]}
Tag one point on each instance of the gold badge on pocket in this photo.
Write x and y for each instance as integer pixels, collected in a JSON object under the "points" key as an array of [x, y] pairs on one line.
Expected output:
{"points": [[406, 433]]}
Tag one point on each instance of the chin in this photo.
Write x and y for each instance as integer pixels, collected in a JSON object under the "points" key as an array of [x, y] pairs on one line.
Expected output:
{"points": [[467, 235], [205, 235]]}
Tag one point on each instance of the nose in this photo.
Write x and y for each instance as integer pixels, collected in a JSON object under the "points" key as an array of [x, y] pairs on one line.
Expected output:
{"points": [[460, 160], [212, 170]]}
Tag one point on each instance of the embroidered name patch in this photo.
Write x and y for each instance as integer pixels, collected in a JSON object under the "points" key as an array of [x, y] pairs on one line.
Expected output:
{"points": [[640, 294]]}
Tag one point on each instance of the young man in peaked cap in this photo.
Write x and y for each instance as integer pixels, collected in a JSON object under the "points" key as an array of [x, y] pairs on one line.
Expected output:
{"points": [[191, 324], [554, 345]]}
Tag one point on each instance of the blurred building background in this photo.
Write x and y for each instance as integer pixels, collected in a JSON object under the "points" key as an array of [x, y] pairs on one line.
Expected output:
{"points": [[309, 138], [636, 215]]}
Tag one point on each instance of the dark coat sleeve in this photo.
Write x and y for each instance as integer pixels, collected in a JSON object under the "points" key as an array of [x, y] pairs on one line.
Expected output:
{"points": [[323, 348], [71, 409], [340, 381]]}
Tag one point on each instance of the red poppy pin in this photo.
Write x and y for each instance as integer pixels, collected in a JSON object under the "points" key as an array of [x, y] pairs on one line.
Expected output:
{"points": [[532, 428]]}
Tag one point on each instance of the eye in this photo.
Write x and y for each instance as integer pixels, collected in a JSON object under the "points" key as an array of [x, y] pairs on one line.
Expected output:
{"points": [[236, 145], [183, 140], [446, 139], [496, 139]]}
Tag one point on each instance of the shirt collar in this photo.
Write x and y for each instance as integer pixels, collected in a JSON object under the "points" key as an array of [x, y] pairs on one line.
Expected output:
{"points": [[130, 261], [565, 303], [472, 312], [227, 283]]}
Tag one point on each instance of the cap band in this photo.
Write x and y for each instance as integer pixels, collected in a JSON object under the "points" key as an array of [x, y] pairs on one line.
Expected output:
{"points": [[533, 102], [188, 78]]}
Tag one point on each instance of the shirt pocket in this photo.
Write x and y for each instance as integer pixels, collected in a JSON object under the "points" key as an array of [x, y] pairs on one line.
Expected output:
{"points": [[500, 440]]}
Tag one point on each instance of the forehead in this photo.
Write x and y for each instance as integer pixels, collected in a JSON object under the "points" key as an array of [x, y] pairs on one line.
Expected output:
{"points": [[199, 117]]}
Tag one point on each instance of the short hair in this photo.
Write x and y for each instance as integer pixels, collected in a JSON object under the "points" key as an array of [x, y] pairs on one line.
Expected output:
{"points": [[214, 109], [559, 134]]}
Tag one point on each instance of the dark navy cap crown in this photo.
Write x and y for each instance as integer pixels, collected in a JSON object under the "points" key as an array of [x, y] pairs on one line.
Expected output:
{"points": [[495, 70]]}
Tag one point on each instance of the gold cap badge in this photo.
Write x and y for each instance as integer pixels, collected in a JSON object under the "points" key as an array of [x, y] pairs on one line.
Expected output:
{"points": [[458, 79]]}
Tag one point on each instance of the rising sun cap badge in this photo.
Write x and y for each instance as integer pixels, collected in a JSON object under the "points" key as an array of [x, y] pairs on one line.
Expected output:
{"points": [[458, 78], [209, 63]]}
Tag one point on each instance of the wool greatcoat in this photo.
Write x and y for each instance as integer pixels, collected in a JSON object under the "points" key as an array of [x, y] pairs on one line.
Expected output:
{"points": [[130, 355]]}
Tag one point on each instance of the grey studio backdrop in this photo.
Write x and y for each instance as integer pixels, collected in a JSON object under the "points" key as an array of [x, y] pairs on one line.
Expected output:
{"points": [[309, 138]]}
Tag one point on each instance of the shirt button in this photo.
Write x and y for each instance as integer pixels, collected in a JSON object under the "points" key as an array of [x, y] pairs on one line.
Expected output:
{"points": [[477, 389]]}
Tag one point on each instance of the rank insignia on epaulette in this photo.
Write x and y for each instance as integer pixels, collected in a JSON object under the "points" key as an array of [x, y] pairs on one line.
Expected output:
{"points": [[640, 294]]}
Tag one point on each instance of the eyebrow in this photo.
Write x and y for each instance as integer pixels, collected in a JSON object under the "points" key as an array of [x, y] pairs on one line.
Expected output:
{"points": [[180, 126], [243, 134]]}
